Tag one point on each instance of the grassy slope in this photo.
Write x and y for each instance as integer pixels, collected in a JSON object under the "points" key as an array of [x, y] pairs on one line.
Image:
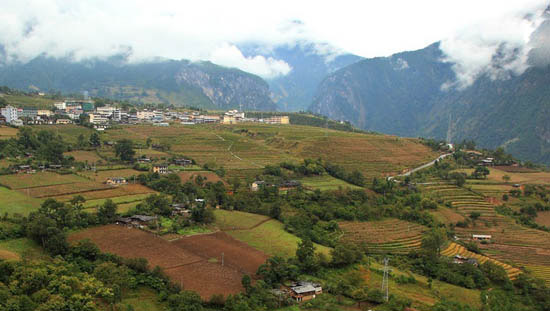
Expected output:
{"points": [[326, 182], [16, 202]]}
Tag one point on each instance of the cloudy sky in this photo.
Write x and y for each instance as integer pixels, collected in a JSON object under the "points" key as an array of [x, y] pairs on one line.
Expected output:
{"points": [[471, 30]]}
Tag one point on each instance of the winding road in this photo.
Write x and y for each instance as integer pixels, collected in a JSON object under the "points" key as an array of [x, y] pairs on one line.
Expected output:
{"points": [[443, 156]]}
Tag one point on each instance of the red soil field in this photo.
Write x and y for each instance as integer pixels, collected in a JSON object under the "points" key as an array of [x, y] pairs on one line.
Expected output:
{"points": [[193, 261], [237, 255]]}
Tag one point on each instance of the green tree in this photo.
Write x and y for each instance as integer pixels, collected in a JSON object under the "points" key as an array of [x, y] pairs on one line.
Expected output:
{"points": [[95, 140], [433, 240], [506, 178], [305, 254], [106, 213], [81, 142], [124, 150]]}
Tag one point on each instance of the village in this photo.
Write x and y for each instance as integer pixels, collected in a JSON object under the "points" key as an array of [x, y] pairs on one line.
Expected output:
{"points": [[102, 117]]}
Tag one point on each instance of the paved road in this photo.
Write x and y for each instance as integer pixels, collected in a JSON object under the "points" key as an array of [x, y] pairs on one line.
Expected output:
{"points": [[443, 156]]}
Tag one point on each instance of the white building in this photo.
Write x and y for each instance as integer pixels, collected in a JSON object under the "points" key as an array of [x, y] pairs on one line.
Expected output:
{"points": [[96, 118], [10, 113], [145, 115], [117, 115], [106, 110], [60, 105]]}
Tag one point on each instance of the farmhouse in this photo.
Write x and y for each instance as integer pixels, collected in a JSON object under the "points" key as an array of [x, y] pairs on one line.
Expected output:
{"points": [[458, 259], [481, 237], [63, 121], [137, 221], [160, 168], [144, 160], [183, 162], [304, 291], [256, 185], [116, 181]]}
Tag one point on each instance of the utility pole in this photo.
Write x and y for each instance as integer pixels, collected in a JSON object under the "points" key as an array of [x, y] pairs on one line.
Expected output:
{"points": [[385, 285]]}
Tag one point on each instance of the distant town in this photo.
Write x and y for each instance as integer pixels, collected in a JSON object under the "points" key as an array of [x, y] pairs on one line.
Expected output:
{"points": [[102, 117]]}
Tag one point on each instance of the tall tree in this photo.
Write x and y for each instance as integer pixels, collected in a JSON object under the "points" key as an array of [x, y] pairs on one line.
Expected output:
{"points": [[124, 150]]}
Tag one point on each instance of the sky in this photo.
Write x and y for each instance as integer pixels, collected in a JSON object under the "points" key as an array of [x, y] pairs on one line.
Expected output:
{"points": [[471, 31]]}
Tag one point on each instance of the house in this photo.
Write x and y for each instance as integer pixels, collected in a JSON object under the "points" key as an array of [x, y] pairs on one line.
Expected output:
{"points": [[180, 209], [116, 181], [183, 162], [487, 162], [481, 237], [63, 121], [160, 168], [144, 160], [255, 186], [54, 166], [304, 291], [458, 259], [138, 221], [289, 184], [2, 119], [24, 169], [277, 120]]}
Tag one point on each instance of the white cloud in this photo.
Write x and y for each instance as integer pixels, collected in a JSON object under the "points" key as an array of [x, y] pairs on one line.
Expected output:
{"points": [[211, 30]]}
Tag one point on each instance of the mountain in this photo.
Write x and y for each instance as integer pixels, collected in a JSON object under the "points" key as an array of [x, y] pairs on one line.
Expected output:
{"points": [[310, 63], [200, 84], [403, 95]]}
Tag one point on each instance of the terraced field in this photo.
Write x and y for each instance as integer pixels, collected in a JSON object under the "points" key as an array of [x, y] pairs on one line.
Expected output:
{"points": [[510, 243], [391, 236], [456, 249]]}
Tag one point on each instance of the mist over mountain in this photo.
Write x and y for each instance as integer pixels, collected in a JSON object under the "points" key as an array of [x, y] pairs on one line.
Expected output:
{"points": [[310, 63], [408, 94], [200, 84]]}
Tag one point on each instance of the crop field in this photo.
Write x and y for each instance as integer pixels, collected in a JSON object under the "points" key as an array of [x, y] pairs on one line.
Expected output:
{"points": [[192, 175], [213, 245], [21, 248], [243, 149], [510, 242], [14, 202], [236, 220], [542, 272], [84, 156], [271, 238], [69, 132], [447, 215], [41, 179], [194, 262], [386, 236], [521, 177], [111, 192], [543, 218], [7, 132], [456, 249], [64, 189], [103, 175], [326, 182], [420, 293], [121, 200], [151, 153]]}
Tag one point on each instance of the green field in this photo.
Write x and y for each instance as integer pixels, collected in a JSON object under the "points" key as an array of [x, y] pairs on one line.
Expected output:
{"points": [[141, 299], [41, 179], [326, 182], [118, 200], [272, 239], [228, 220], [23, 247], [16, 202]]}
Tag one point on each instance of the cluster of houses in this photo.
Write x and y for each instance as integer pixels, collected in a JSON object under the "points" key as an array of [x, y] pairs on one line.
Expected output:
{"points": [[28, 169], [69, 111], [300, 291]]}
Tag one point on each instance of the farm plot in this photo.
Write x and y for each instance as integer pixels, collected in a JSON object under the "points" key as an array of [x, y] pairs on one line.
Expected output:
{"points": [[543, 218], [14, 202], [41, 179], [214, 245], [7, 132], [386, 236], [192, 175], [84, 156], [111, 192], [103, 175], [456, 249], [151, 153], [271, 238], [193, 261], [236, 220], [64, 189], [121, 200], [326, 182]]}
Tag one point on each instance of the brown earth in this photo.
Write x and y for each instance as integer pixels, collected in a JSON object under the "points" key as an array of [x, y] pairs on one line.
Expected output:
{"points": [[193, 261], [7, 255], [210, 176], [237, 255], [543, 218]]}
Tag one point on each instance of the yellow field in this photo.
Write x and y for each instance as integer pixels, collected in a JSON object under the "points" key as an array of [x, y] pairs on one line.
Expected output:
{"points": [[495, 176], [102, 176], [456, 249], [7, 132]]}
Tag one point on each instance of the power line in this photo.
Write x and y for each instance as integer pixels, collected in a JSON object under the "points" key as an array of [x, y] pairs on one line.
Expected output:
{"points": [[385, 285]]}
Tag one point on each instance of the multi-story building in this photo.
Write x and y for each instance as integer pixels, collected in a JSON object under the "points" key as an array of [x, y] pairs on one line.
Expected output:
{"points": [[10, 113], [145, 115], [96, 118], [277, 120], [60, 105]]}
